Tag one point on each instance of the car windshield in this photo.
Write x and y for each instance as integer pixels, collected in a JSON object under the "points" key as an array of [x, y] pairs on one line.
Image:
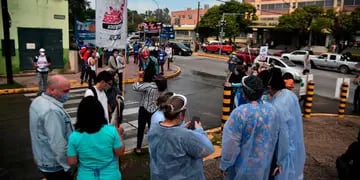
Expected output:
{"points": [[288, 62], [181, 45]]}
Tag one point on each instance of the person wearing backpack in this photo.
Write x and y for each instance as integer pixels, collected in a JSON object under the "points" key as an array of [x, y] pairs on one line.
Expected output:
{"points": [[41, 63], [103, 82]]}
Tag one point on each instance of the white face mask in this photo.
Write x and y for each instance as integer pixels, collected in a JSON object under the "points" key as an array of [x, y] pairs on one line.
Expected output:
{"points": [[42, 54]]}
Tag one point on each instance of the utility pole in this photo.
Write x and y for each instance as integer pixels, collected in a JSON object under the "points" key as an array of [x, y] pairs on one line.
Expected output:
{"points": [[7, 46], [197, 25], [222, 24]]}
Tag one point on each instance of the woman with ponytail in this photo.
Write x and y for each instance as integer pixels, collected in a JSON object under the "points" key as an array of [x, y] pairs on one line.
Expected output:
{"points": [[177, 152]]}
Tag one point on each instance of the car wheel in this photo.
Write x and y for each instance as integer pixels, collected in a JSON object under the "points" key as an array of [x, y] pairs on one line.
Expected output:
{"points": [[344, 69], [180, 53], [205, 50]]}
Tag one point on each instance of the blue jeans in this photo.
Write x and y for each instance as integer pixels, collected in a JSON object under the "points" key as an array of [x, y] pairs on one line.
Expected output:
{"points": [[42, 81]]}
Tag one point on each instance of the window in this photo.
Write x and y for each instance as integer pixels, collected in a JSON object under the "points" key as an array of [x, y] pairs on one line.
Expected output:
{"points": [[357, 2], [329, 3], [349, 2], [333, 57], [324, 56], [183, 16], [278, 63], [190, 16]]}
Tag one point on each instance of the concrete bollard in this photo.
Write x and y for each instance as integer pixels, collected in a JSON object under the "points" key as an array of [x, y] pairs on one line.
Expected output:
{"points": [[343, 98], [309, 99], [226, 108]]}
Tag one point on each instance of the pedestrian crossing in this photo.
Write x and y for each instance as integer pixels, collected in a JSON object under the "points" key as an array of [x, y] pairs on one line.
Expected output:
{"points": [[130, 114]]}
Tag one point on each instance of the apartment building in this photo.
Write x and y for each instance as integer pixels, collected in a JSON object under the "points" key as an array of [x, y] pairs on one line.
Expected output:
{"points": [[269, 11], [185, 21]]}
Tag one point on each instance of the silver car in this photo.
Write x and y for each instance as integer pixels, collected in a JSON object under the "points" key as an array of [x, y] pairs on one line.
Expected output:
{"points": [[285, 65]]}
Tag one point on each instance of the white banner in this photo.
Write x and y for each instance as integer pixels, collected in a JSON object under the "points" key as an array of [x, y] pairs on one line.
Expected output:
{"points": [[263, 53], [111, 23]]}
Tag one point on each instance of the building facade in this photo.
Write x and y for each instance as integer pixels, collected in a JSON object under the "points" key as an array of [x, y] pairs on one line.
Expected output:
{"points": [[269, 11], [37, 24], [185, 21]]}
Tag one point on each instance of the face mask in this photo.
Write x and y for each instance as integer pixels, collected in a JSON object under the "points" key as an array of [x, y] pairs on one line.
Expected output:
{"points": [[42, 54], [64, 97], [107, 87]]}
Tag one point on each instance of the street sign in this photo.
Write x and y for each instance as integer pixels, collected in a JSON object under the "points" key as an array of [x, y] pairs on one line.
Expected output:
{"points": [[167, 32]]}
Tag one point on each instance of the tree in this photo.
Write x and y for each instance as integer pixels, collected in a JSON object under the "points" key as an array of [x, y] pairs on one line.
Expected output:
{"points": [[306, 20], [238, 19], [134, 19], [76, 11]]}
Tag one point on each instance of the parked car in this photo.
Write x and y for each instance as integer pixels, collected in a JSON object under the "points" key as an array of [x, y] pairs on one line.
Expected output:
{"points": [[180, 49], [334, 61], [296, 56], [217, 46], [248, 54], [285, 65]]}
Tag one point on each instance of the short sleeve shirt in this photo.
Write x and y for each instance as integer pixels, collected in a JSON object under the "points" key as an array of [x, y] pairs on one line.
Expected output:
{"points": [[95, 150]]}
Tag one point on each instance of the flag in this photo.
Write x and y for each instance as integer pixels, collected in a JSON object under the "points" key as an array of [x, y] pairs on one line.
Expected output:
{"points": [[111, 23]]}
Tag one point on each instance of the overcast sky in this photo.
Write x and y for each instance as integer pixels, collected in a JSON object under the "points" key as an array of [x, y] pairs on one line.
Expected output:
{"points": [[173, 5]]}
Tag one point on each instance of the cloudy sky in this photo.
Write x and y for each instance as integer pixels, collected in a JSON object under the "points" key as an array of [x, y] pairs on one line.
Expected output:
{"points": [[173, 5]]}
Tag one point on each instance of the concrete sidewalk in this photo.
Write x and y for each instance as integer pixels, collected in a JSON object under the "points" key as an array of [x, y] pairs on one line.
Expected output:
{"points": [[29, 81]]}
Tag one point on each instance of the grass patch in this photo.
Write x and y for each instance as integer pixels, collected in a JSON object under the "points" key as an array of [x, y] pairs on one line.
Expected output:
{"points": [[11, 86], [136, 167]]}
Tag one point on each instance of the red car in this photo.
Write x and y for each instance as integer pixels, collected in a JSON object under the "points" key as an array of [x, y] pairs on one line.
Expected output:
{"points": [[248, 54], [216, 46]]}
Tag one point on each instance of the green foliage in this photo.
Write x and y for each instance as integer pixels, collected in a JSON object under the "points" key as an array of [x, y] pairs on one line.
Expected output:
{"points": [[238, 22]]}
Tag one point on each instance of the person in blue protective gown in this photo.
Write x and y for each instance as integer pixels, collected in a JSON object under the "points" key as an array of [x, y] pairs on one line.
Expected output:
{"points": [[290, 155], [176, 152], [249, 136]]}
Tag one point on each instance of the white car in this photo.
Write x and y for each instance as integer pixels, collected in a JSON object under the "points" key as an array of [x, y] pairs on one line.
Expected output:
{"points": [[296, 56], [285, 65]]}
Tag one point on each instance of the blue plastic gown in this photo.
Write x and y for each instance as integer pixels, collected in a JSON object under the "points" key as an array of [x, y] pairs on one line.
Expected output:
{"points": [[248, 142], [176, 153], [291, 149]]}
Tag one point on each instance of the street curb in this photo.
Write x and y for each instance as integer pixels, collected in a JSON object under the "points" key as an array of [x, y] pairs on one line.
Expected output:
{"points": [[74, 84], [217, 57]]}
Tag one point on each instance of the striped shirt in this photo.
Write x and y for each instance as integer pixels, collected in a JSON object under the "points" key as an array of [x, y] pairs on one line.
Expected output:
{"points": [[149, 95]]}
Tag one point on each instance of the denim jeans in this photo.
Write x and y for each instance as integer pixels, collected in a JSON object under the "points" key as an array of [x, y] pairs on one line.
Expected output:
{"points": [[42, 80]]}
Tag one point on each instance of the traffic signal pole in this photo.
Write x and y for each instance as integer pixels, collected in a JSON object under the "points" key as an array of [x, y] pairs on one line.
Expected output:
{"points": [[6, 46]]}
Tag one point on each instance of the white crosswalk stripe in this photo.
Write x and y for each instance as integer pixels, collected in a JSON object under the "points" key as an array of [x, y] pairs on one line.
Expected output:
{"points": [[129, 115]]}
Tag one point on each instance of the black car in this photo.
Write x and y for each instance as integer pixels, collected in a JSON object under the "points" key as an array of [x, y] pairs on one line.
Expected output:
{"points": [[180, 49]]}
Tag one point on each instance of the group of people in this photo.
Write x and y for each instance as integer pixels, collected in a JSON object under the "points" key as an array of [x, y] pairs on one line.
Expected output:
{"points": [[263, 137], [92, 145], [158, 54]]}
